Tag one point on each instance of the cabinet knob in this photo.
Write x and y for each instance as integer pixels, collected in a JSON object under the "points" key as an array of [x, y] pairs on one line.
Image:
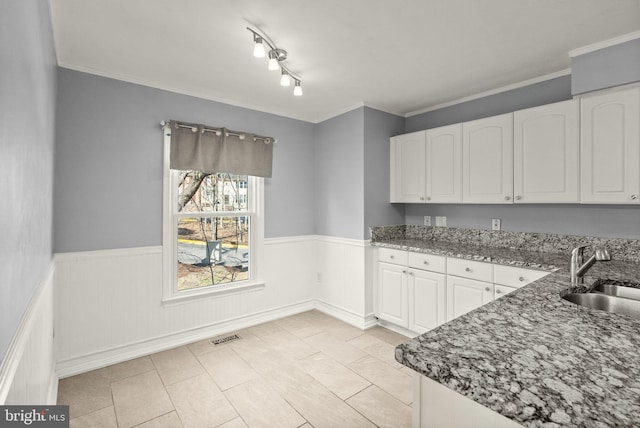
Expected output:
{"points": [[467, 269], [507, 198], [410, 273], [518, 198], [404, 271], [425, 262], [487, 289], [392, 257], [422, 198], [428, 198], [498, 291], [521, 279], [634, 197]]}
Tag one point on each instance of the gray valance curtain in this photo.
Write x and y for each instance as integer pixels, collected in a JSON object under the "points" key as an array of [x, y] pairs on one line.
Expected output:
{"points": [[208, 149]]}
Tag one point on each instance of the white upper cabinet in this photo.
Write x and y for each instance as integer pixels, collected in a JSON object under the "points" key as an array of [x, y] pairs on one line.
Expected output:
{"points": [[610, 147], [487, 160], [444, 164], [546, 154], [408, 167]]}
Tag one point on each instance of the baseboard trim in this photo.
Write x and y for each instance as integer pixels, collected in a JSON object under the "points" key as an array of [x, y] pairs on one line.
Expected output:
{"points": [[52, 393], [350, 317], [400, 330], [107, 357]]}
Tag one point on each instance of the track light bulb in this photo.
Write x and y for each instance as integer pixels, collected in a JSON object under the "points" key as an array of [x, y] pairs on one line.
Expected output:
{"points": [[273, 63], [258, 48], [284, 80], [297, 90]]}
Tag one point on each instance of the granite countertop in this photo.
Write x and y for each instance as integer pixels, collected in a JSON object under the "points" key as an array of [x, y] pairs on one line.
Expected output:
{"points": [[530, 355]]}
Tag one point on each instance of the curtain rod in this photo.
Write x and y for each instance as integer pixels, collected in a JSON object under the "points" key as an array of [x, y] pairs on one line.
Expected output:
{"points": [[218, 132]]}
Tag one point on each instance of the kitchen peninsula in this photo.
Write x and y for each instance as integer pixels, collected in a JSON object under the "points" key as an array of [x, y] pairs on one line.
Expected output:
{"points": [[531, 357]]}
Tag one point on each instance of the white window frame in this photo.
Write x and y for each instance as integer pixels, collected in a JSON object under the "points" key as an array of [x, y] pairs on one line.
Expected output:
{"points": [[255, 198]]}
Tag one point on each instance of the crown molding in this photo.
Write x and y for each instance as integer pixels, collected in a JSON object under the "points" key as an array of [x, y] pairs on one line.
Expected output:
{"points": [[604, 44], [517, 85]]}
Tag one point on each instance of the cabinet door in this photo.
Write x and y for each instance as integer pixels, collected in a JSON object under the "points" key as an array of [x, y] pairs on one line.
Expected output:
{"points": [[444, 164], [610, 147], [392, 301], [487, 160], [546, 154], [464, 295], [501, 290], [427, 300], [408, 167]]}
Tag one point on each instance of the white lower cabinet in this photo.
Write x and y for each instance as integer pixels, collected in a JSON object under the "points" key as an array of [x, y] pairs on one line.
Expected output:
{"points": [[392, 284], [465, 295], [419, 291], [427, 295]]}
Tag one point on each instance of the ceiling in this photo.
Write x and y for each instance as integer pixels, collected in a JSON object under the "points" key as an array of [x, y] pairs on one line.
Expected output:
{"points": [[399, 56]]}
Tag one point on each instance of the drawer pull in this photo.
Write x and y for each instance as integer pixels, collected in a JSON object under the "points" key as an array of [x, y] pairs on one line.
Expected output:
{"points": [[467, 269], [507, 198], [487, 289], [521, 279]]}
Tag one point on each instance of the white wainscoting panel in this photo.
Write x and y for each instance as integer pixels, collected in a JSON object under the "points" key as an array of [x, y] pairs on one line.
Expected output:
{"points": [[109, 303], [27, 372], [342, 287]]}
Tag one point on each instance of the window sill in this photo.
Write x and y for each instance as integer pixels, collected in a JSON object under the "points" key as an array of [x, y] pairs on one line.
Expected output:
{"points": [[212, 292]]}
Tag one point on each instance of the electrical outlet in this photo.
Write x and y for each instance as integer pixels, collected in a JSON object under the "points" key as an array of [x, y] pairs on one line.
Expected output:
{"points": [[427, 220], [495, 224], [441, 221]]}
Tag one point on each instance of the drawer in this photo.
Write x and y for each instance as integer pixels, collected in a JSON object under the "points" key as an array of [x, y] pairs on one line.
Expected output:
{"points": [[389, 255], [428, 262], [470, 269], [514, 276]]}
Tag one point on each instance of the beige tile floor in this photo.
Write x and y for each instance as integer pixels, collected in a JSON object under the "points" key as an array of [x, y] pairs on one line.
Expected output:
{"points": [[307, 370]]}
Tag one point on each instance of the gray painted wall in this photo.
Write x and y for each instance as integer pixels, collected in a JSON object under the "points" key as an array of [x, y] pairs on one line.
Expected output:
{"points": [[604, 68], [378, 127], [108, 172], [27, 119], [547, 92], [339, 172]]}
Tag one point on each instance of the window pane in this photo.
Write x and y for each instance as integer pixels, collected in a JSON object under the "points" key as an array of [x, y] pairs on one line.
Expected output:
{"points": [[204, 192], [212, 250]]}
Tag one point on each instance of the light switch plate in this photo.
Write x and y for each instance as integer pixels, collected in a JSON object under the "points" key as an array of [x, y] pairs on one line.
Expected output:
{"points": [[495, 224], [427, 220], [441, 221]]}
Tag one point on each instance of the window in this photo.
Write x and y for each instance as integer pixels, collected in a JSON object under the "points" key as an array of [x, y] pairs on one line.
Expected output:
{"points": [[212, 229]]}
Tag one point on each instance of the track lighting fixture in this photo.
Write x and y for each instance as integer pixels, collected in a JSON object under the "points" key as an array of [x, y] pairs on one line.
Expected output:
{"points": [[276, 57]]}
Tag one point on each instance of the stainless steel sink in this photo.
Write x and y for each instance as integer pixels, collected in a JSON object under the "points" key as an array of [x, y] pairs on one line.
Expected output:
{"points": [[611, 289], [610, 296]]}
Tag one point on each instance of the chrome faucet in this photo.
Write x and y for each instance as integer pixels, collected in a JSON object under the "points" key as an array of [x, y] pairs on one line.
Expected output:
{"points": [[579, 267]]}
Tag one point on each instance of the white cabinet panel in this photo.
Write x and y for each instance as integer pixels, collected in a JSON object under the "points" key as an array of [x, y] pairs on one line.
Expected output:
{"points": [[390, 255], [408, 167], [427, 296], [502, 290], [430, 262], [470, 269], [516, 277], [487, 160], [546, 154], [444, 164], [610, 147], [392, 283], [464, 295]]}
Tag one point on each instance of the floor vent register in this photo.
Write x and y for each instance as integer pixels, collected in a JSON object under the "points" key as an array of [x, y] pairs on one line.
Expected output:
{"points": [[226, 339]]}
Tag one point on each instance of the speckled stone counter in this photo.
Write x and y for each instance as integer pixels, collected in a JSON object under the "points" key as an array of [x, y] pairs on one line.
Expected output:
{"points": [[530, 355]]}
